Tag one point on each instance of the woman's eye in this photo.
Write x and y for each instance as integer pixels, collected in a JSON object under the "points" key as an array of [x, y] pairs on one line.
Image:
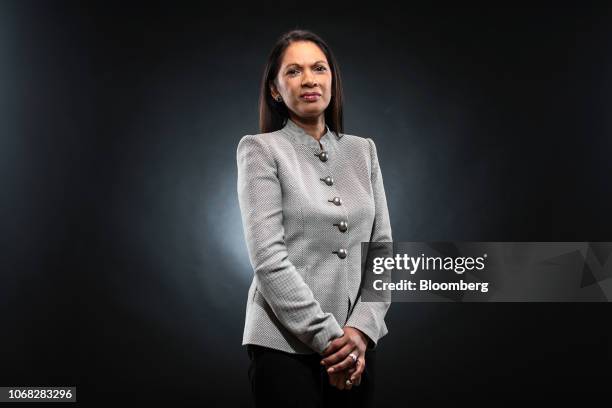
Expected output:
{"points": [[319, 68]]}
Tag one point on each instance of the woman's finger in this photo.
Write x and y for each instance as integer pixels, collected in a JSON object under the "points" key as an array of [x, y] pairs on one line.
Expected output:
{"points": [[347, 363], [348, 386], [333, 379], [337, 357], [336, 344], [337, 379], [360, 367], [341, 379]]}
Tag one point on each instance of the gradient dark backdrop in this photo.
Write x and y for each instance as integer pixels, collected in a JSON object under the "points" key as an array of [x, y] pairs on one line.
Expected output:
{"points": [[124, 269]]}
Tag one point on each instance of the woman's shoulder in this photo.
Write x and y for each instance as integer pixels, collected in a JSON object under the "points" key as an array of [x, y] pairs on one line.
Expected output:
{"points": [[361, 140], [266, 144], [365, 143], [265, 140]]}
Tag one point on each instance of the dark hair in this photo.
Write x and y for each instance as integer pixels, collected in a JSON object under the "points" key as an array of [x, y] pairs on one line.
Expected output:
{"points": [[272, 114]]}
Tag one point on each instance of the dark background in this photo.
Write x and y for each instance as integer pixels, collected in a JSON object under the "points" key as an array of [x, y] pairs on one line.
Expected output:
{"points": [[124, 268]]}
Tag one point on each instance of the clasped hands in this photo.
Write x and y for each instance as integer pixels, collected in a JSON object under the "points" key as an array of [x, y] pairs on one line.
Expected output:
{"points": [[338, 362]]}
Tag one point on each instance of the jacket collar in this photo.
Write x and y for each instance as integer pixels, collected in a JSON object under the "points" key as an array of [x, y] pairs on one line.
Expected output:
{"points": [[299, 135]]}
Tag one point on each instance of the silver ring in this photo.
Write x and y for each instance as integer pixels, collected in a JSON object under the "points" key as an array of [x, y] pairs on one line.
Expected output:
{"points": [[348, 382], [353, 356]]}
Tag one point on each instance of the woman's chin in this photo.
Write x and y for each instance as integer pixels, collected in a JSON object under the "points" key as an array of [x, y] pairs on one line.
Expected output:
{"points": [[311, 111]]}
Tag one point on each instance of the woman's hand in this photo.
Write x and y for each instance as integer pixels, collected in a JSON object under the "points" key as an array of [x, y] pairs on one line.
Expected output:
{"points": [[338, 378], [337, 358]]}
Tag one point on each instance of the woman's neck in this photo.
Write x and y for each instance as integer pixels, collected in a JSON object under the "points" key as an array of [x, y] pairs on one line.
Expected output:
{"points": [[314, 127]]}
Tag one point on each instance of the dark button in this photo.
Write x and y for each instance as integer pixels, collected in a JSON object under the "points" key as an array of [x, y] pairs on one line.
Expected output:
{"points": [[328, 180], [342, 226], [322, 156], [341, 253], [336, 201]]}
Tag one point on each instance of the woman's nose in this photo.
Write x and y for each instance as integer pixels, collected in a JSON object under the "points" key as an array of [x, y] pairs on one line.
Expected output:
{"points": [[309, 79]]}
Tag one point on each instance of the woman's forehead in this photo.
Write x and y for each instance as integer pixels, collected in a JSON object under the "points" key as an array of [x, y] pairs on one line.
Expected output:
{"points": [[303, 53]]}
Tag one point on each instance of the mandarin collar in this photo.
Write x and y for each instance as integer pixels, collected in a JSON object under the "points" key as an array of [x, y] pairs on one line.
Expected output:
{"points": [[300, 136]]}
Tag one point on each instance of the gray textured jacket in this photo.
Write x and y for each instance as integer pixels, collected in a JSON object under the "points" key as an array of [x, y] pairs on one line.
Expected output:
{"points": [[305, 215]]}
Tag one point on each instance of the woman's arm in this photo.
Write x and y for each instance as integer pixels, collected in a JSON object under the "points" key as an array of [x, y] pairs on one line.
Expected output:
{"points": [[369, 317], [260, 199]]}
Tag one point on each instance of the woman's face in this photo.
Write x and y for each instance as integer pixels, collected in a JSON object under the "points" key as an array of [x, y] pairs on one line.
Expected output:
{"points": [[304, 70]]}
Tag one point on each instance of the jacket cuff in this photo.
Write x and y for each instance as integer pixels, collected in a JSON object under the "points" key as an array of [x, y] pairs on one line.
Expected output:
{"points": [[323, 339], [364, 319]]}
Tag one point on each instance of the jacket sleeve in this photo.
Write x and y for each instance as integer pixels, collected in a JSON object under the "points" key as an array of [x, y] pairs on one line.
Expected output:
{"points": [[369, 317], [283, 288]]}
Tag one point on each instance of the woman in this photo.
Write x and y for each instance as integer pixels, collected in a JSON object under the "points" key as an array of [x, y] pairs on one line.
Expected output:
{"points": [[309, 195]]}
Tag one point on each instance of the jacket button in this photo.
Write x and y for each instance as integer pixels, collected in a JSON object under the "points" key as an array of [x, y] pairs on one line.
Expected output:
{"points": [[322, 156], [342, 226], [336, 201], [328, 180], [341, 253]]}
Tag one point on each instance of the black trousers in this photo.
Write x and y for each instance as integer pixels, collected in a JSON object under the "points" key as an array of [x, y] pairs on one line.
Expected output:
{"points": [[280, 379]]}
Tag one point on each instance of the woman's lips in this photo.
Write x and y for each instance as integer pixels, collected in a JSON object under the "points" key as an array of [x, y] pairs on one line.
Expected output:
{"points": [[311, 98]]}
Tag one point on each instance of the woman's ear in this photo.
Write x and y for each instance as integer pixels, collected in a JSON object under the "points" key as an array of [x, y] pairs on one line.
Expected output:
{"points": [[273, 91]]}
